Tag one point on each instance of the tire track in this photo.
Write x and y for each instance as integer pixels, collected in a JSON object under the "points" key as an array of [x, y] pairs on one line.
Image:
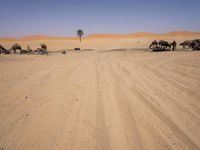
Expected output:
{"points": [[130, 125], [102, 142], [41, 82], [173, 127]]}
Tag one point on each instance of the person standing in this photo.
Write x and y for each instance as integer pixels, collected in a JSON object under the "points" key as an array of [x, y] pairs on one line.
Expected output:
{"points": [[173, 45]]}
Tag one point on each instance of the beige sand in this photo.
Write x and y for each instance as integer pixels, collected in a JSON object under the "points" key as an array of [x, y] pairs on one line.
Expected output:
{"points": [[99, 41], [98, 100]]}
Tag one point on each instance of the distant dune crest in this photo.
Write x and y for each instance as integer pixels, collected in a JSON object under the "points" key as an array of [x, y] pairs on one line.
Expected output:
{"points": [[108, 36]]}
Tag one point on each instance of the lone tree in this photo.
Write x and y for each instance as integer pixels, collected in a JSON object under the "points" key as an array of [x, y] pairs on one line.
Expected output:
{"points": [[80, 33]]}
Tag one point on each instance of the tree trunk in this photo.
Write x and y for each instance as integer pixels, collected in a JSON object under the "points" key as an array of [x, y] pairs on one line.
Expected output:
{"points": [[80, 38]]}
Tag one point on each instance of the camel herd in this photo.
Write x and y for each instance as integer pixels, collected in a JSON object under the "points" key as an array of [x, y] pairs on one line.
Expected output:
{"points": [[193, 44], [155, 46], [16, 47], [164, 45]]}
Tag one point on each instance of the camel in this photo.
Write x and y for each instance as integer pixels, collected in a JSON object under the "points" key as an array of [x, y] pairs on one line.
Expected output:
{"points": [[186, 44], [16, 47], [42, 50], [153, 44], [28, 50], [164, 44], [43, 46], [3, 50], [195, 45], [161, 45]]}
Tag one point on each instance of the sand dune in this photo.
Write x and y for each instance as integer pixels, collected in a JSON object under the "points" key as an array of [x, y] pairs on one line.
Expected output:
{"points": [[100, 100], [182, 34], [99, 41]]}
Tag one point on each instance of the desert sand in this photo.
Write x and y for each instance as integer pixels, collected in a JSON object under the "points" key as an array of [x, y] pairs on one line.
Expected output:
{"points": [[99, 41], [100, 100]]}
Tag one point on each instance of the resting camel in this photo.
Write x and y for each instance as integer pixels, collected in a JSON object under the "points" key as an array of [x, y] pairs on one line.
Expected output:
{"points": [[3, 50], [44, 46], [195, 45], [42, 50], [16, 47]]}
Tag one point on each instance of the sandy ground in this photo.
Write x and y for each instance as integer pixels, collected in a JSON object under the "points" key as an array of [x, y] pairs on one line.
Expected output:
{"points": [[100, 101]]}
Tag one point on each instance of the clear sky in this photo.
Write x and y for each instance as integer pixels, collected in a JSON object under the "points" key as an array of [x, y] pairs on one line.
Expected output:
{"points": [[64, 17]]}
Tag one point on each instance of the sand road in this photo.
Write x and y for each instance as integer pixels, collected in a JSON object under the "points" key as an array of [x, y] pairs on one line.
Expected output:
{"points": [[100, 101]]}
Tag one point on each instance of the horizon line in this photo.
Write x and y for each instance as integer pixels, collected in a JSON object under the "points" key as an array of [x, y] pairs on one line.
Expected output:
{"points": [[117, 34]]}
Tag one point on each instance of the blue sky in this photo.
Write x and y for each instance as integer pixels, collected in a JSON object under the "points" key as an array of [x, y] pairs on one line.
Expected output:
{"points": [[64, 17]]}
